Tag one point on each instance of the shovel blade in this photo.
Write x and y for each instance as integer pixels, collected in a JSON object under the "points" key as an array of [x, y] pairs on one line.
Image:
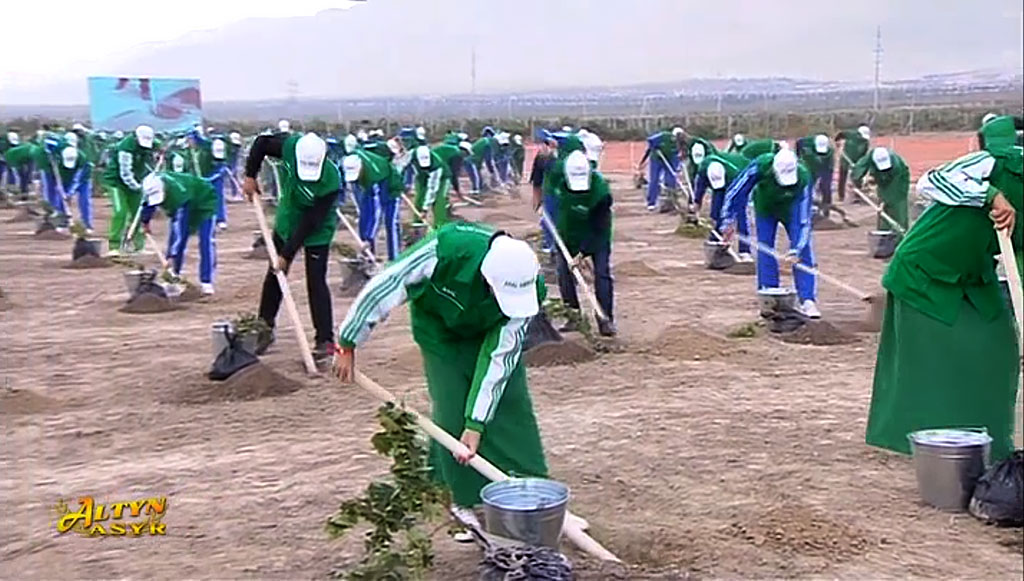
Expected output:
{"points": [[541, 331]]}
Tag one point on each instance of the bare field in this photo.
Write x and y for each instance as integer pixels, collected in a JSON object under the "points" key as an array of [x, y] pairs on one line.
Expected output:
{"points": [[690, 453]]}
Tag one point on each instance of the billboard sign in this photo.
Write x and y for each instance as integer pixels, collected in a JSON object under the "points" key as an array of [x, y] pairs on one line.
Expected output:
{"points": [[127, 102]]}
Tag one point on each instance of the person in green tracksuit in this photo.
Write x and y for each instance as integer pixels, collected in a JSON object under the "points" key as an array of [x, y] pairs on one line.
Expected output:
{"points": [[132, 160], [1000, 131], [554, 178], [21, 160], [855, 146], [482, 156], [305, 218], [717, 172], [584, 223], [381, 186], [698, 149], [948, 355], [472, 292], [518, 157], [892, 176], [191, 204], [179, 158], [432, 180], [737, 143], [757, 147]]}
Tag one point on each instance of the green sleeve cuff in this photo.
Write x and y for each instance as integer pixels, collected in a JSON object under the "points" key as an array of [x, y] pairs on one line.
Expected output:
{"points": [[346, 344], [990, 194], [474, 425]]}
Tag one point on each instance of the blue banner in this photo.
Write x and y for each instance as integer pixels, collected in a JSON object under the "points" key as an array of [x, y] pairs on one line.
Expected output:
{"points": [[126, 102]]}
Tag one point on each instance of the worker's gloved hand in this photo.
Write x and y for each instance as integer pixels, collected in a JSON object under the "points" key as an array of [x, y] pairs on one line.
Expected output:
{"points": [[283, 264], [344, 364], [1002, 213], [250, 188], [470, 439]]}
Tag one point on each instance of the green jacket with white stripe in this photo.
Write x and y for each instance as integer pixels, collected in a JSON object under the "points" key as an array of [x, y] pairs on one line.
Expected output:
{"points": [[452, 307]]}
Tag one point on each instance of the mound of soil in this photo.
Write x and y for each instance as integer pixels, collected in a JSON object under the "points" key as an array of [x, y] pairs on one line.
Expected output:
{"points": [[819, 333], [190, 294], [17, 402], [567, 352], [25, 214], [637, 268], [682, 342], [88, 261], [254, 382], [741, 268], [790, 528], [258, 253], [51, 235], [499, 218], [146, 303]]}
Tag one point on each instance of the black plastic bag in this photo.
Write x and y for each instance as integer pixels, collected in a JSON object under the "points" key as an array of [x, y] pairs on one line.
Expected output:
{"points": [[540, 331], [149, 286], [999, 495], [231, 359], [85, 247], [785, 321]]}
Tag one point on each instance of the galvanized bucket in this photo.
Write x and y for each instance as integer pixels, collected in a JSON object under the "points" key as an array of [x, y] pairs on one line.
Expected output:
{"points": [[948, 463], [882, 243], [134, 278], [219, 332], [716, 255], [776, 300], [528, 510]]}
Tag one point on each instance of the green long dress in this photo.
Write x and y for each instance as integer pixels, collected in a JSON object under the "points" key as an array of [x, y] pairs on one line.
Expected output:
{"points": [[948, 355]]}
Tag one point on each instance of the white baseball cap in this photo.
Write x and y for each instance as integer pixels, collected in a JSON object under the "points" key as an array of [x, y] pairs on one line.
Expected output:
{"points": [[821, 143], [118, 134], [394, 146], [510, 268], [181, 142], [350, 143], [502, 138], [577, 172], [697, 153], [13, 138], [880, 156], [178, 163], [677, 131], [352, 166], [218, 149], [463, 135], [421, 133], [566, 129], [284, 126], [466, 146], [739, 139], [361, 135], [235, 137], [423, 156], [716, 175], [784, 167], [153, 190], [310, 151], [71, 138], [145, 135], [78, 127], [69, 156], [518, 139], [988, 117], [864, 131]]}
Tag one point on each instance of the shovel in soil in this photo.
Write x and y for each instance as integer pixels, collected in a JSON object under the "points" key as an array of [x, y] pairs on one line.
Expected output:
{"points": [[359, 270], [876, 303]]}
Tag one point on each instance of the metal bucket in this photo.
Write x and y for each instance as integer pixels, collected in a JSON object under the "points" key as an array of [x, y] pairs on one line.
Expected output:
{"points": [[776, 300], [219, 341], [948, 463], [528, 510], [133, 278], [882, 243], [716, 255]]}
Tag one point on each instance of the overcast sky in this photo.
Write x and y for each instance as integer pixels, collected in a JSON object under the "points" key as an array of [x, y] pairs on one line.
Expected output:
{"points": [[103, 29]]}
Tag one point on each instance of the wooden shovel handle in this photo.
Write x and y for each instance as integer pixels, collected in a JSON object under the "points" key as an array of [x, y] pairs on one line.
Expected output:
{"points": [[571, 528], [574, 268], [1012, 276], [286, 294]]}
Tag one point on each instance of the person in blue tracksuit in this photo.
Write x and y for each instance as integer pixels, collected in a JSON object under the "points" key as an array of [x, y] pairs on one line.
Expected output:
{"points": [[783, 191], [76, 180], [7, 174], [45, 165], [191, 205], [663, 151], [411, 139], [718, 171], [503, 157], [543, 161], [380, 202]]}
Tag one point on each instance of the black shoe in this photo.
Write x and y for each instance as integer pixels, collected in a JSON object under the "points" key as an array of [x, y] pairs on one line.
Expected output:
{"points": [[607, 328], [323, 351]]}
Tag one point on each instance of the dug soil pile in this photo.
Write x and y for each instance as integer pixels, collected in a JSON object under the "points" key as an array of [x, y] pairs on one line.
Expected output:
{"points": [[25, 214], [819, 333], [566, 352], [687, 230], [190, 294], [88, 261], [254, 382], [146, 303], [636, 268], [19, 402], [682, 342], [741, 268]]}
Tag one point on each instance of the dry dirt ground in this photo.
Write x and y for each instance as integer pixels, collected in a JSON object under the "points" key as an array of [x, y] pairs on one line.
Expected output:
{"points": [[692, 455]]}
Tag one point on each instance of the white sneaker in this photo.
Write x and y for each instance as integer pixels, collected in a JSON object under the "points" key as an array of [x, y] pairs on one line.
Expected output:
{"points": [[89, 231], [113, 253], [62, 230], [206, 288], [810, 310], [745, 257], [222, 225], [652, 208]]}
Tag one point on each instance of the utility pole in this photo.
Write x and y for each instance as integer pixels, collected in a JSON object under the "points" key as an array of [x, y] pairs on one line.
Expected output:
{"points": [[472, 79], [878, 63]]}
